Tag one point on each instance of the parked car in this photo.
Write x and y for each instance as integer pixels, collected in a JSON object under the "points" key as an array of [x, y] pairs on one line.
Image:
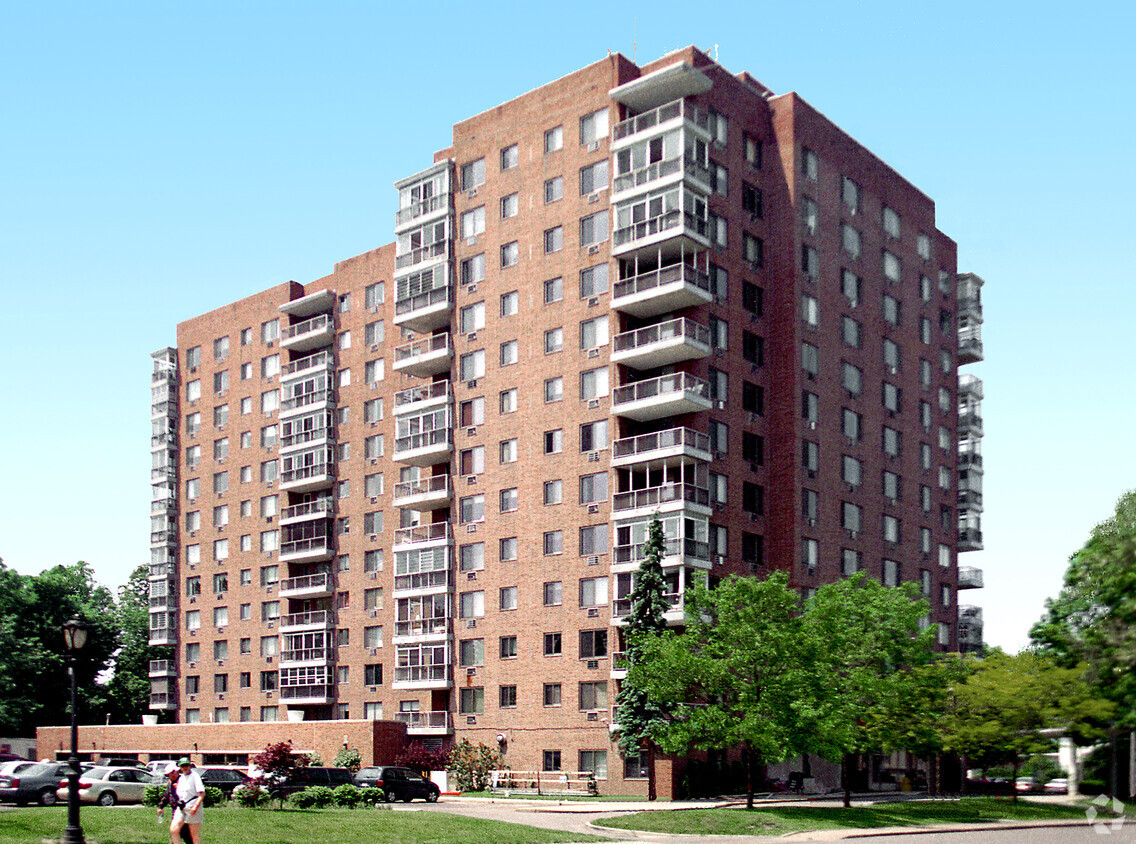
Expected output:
{"points": [[107, 786], [398, 783], [161, 767], [225, 779], [37, 782], [9, 768], [304, 778], [1057, 785], [11, 757], [1025, 784]]}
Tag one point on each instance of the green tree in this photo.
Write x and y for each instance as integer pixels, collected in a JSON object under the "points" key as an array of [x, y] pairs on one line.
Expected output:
{"points": [[32, 653], [1006, 710], [349, 758], [640, 716], [733, 677], [1093, 619], [471, 765], [128, 692], [862, 640]]}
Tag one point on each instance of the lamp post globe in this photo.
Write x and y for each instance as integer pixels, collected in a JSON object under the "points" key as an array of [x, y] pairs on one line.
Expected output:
{"points": [[75, 637]]}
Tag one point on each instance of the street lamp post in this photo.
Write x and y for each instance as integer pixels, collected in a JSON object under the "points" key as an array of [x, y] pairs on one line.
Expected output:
{"points": [[75, 635]]}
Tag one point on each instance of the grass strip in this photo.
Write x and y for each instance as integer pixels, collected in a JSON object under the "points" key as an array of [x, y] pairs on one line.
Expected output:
{"points": [[778, 820], [234, 825]]}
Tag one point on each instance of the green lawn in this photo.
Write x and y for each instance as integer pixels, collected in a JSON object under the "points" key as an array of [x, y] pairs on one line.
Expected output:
{"points": [[234, 825], [574, 798], [781, 820]]}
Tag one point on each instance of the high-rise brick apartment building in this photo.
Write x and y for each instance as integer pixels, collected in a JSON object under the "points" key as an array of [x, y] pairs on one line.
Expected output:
{"points": [[416, 489]]}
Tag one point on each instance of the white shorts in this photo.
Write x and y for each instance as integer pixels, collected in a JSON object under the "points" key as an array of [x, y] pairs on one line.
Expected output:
{"points": [[182, 816]]}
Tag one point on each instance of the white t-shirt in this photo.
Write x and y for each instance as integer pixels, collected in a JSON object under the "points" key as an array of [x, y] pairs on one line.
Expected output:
{"points": [[189, 786]]}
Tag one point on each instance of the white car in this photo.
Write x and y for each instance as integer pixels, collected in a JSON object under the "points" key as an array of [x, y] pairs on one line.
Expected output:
{"points": [[107, 786]]}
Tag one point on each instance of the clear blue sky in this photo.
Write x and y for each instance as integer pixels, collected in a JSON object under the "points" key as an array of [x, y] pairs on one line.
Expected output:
{"points": [[162, 159]]}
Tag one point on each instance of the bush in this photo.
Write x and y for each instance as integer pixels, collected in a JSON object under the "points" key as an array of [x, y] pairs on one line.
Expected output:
{"points": [[471, 765], [214, 796], [251, 796], [370, 796], [152, 795], [347, 796], [303, 799], [348, 758], [316, 797]]}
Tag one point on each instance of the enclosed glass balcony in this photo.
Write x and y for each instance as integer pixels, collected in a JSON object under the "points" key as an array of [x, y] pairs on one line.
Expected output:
{"points": [[424, 299], [668, 222]]}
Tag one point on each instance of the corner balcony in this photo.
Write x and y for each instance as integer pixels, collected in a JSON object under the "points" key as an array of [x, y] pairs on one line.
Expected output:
{"points": [[970, 499], [320, 302], [426, 356], [970, 459], [690, 553], [311, 549], [166, 635], [970, 577], [306, 657], [662, 498], [307, 585], [424, 210], [300, 432], [970, 298], [301, 621], [163, 700], [314, 694], [672, 115], [321, 508], [681, 167], [309, 335], [422, 397], [672, 233], [162, 668], [308, 478], [657, 398], [621, 608], [970, 420], [309, 365], [423, 494], [969, 538], [969, 628], [661, 291], [436, 723], [419, 629], [426, 306], [427, 448], [422, 677], [970, 344], [435, 533], [662, 448], [300, 403], [970, 386], [662, 344]]}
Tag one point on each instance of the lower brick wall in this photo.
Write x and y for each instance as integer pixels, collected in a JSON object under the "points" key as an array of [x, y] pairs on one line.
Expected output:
{"points": [[378, 742]]}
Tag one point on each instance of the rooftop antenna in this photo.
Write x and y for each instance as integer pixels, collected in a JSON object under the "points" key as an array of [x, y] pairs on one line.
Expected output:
{"points": [[715, 53]]}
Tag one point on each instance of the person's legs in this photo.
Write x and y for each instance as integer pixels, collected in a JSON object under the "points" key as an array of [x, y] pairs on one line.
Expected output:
{"points": [[195, 831], [176, 826]]}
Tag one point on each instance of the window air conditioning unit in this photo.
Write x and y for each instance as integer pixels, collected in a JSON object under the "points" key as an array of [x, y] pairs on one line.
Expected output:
{"points": [[471, 623], [470, 672], [593, 560], [593, 716], [593, 612], [594, 146], [594, 249], [593, 198], [471, 528], [471, 193], [593, 403], [593, 508]]}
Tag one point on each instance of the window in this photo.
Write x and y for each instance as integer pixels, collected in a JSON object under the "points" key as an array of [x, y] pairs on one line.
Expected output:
{"points": [[593, 488], [471, 318], [372, 637], [593, 695], [553, 542], [850, 516], [220, 616], [753, 398], [851, 470], [851, 377], [554, 441], [506, 697], [891, 310], [553, 593], [852, 332], [507, 401], [510, 303], [891, 222], [809, 164], [553, 340], [751, 200], [719, 437], [753, 348], [472, 509], [471, 365], [809, 215], [810, 262], [810, 311], [593, 540], [473, 222], [553, 290], [508, 451], [891, 355], [850, 195], [471, 700], [508, 500], [553, 645], [892, 397], [553, 139], [509, 353], [753, 448], [850, 562], [891, 573], [593, 435], [553, 189], [510, 207], [594, 281], [471, 652], [473, 269], [810, 456], [593, 126], [510, 253], [510, 157], [594, 228], [923, 246], [473, 174], [891, 442], [471, 604], [753, 249], [753, 498], [810, 553], [508, 598], [507, 549], [373, 446], [551, 698], [891, 267], [594, 177], [850, 240], [753, 550], [373, 560], [594, 383], [810, 359], [220, 382], [554, 239], [553, 491], [753, 298], [221, 414], [593, 593], [891, 486], [554, 389], [374, 295], [507, 647], [593, 643], [924, 330]]}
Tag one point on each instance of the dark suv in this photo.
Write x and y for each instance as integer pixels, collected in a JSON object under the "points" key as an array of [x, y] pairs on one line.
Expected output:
{"points": [[398, 783], [303, 778]]}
